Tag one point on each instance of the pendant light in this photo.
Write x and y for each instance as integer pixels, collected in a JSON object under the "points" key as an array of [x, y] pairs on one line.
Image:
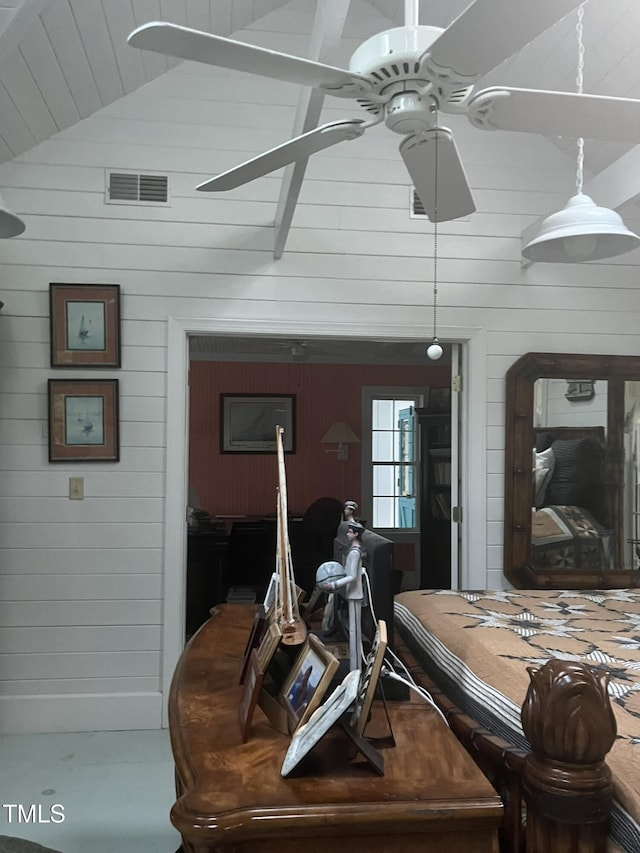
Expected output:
{"points": [[10, 224], [581, 231], [434, 350]]}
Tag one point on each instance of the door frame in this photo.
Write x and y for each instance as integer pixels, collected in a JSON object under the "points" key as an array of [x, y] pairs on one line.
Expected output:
{"points": [[472, 447]]}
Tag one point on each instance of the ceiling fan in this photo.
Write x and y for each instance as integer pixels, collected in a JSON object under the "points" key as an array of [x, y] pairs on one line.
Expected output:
{"points": [[405, 77]]}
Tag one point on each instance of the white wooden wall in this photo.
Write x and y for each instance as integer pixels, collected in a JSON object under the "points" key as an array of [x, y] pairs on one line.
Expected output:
{"points": [[81, 582]]}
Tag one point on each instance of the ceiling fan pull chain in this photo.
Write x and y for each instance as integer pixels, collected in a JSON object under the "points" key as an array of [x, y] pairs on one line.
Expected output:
{"points": [[435, 233], [434, 351]]}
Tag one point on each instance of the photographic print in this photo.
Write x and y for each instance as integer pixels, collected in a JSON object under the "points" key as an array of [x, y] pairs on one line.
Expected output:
{"points": [[248, 422], [319, 723], [307, 681], [83, 420], [85, 325]]}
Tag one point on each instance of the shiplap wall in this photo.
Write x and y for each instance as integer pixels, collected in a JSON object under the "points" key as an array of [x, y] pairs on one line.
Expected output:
{"points": [[81, 604]]}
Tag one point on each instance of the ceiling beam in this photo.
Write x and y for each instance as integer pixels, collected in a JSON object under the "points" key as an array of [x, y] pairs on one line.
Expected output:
{"points": [[614, 186], [327, 30]]}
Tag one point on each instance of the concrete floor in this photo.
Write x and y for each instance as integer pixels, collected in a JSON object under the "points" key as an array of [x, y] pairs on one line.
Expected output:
{"points": [[113, 789]]}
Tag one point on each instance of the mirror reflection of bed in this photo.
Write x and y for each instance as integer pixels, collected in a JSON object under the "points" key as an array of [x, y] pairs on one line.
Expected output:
{"points": [[575, 479], [571, 524], [572, 493]]}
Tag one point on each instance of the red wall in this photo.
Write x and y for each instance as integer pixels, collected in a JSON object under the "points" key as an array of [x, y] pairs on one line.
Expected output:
{"points": [[246, 484]]}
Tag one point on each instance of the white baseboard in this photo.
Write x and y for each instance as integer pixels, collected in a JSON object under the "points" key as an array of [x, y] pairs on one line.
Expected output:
{"points": [[80, 712]]}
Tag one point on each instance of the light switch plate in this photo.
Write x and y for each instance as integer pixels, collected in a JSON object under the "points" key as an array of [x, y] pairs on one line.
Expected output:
{"points": [[76, 488]]}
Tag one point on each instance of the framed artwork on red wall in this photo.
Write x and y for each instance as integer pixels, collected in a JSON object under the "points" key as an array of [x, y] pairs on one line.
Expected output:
{"points": [[248, 422]]}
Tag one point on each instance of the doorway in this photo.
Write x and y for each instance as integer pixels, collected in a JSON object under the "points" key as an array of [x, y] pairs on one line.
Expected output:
{"points": [[179, 333]]}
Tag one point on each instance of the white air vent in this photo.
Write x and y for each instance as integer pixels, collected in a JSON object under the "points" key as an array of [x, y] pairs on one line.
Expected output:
{"points": [[134, 188], [417, 211], [417, 207]]}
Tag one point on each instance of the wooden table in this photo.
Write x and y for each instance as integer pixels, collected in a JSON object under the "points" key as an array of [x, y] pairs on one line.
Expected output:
{"points": [[231, 796]]}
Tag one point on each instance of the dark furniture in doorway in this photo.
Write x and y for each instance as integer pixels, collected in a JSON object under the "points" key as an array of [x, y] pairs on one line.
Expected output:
{"points": [[207, 582], [435, 491]]}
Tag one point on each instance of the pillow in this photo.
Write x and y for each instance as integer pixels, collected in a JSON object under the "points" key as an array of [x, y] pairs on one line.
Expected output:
{"points": [[577, 475], [543, 466], [543, 440]]}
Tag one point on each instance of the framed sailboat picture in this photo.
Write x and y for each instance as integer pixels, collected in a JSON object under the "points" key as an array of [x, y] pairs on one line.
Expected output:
{"points": [[83, 420], [85, 325]]}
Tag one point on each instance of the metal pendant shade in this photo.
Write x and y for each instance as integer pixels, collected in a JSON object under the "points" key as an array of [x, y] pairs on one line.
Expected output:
{"points": [[10, 224], [580, 232]]}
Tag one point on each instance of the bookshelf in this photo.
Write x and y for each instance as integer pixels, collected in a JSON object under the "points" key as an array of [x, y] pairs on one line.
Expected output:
{"points": [[435, 515]]}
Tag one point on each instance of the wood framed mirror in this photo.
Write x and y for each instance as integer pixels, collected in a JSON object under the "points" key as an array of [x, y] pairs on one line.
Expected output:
{"points": [[572, 472]]}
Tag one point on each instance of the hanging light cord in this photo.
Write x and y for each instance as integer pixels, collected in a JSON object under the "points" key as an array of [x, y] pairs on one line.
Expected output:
{"points": [[435, 239], [580, 85]]}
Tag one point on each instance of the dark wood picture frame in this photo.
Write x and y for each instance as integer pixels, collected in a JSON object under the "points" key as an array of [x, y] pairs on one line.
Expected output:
{"points": [[248, 422], [249, 700], [369, 679], [268, 644], [255, 637], [307, 681], [85, 325], [83, 420]]}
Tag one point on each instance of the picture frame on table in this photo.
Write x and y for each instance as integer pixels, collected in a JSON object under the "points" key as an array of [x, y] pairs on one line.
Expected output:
{"points": [[254, 639], [369, 679], [268, 645], [307, 682], [83, 420], [248, 422], [250, 693], [84, 325], [323, 718]]}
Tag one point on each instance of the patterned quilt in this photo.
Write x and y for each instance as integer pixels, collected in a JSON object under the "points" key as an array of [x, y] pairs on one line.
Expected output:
{"points": [[566, 536], [477, 646]]}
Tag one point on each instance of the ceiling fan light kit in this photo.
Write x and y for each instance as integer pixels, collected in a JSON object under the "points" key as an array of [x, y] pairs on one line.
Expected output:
{"points": [[581, 232]]}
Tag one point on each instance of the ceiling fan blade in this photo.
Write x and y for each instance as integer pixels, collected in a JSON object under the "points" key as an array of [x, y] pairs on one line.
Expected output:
{"points": [[295, 149], [490, 31], [556, 114], [434, 154], [184, 43]]}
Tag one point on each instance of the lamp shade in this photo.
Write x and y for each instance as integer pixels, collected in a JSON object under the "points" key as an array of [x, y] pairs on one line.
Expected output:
{"points": [[10, 224], [339, 433], [580, 232]]}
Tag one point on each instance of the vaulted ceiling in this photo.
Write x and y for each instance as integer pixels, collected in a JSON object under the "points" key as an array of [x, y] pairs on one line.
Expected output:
{"points": [[63, 60]]}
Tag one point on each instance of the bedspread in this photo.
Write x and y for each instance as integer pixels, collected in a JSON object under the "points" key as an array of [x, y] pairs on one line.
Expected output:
{"points": [[566, 536], [477, 646]]}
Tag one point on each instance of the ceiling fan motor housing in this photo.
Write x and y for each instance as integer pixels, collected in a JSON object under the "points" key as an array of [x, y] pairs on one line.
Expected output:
{"points": [[409, 112], [393, 55], [405, 83]]}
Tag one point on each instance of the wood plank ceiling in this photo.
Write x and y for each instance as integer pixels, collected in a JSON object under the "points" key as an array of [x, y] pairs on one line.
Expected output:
{"points": [[62, 60]]}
